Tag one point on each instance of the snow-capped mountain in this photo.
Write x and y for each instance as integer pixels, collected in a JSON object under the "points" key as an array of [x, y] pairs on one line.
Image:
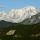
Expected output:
{"points": [[16, 18], [19, 15]]}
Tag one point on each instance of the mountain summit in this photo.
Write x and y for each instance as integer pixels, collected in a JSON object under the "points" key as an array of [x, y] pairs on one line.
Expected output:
{"points": [[19, 15]]}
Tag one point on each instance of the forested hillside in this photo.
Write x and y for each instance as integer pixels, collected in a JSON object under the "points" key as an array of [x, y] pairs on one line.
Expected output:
{"points": [[23, 32]]}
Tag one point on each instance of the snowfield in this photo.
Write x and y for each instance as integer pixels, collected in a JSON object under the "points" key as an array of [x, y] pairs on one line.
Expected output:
{"points": [[18, 15]]}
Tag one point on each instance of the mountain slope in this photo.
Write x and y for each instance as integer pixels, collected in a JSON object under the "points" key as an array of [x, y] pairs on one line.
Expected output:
{"points": [[33, 20]]}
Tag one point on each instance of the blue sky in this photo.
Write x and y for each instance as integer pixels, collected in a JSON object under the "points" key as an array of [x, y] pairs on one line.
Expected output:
{"points": [[9, 4]]}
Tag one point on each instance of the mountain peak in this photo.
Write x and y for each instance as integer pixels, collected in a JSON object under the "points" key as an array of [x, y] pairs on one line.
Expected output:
{"points": [[18, 15]]}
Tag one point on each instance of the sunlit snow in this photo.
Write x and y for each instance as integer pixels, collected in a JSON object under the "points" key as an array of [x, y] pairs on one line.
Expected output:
{"points": [[18, 15]]}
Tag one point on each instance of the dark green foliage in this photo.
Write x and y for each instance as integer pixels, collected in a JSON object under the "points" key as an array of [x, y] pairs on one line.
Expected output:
{"points": [[25, 31]]}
